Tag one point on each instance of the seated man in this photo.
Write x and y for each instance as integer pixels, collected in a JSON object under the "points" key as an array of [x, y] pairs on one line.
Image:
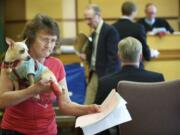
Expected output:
{"points": [[130, 54], [151, 22]]}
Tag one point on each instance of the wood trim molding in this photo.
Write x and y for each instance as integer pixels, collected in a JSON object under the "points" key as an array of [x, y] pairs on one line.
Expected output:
{"points": [[82, 19], [169, 55], [179, 16]]}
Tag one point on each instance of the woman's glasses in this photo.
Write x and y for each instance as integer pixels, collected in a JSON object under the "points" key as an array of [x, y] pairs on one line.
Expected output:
{"points": [[46, 40]]}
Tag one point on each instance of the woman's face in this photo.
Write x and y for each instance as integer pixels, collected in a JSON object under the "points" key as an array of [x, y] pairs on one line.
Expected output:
{"points": [[43, 45]]}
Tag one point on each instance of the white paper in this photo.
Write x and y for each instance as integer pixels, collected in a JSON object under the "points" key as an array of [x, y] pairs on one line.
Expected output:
{"points": [[67, 49], [107, 107], [114, 112], [154, 53], [157, 30]]}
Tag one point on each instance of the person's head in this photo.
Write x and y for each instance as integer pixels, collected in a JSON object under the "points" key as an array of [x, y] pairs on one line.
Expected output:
{"points": [[150, 11], [129, 9], [130, 51], [41, 34], [92, 15]]}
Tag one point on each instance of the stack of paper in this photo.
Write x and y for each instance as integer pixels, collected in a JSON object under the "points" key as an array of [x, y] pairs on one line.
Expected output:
{"points": [[113, 112], [157, 30]]}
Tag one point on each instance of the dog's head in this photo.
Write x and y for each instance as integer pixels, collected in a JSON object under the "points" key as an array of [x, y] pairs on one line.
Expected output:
{"points": [[16, 51]]}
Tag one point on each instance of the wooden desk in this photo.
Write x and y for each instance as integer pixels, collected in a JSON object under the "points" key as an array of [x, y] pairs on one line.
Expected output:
{"points": [[66, 122], [168, 61]]}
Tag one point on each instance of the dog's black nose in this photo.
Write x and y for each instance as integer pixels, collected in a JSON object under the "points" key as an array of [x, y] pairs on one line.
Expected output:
{"points": [[28, 58]]}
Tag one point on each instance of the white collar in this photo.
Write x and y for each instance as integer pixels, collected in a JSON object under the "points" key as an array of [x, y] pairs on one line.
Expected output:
{"points": [[126, 17], [98, 29], [150, 22]]}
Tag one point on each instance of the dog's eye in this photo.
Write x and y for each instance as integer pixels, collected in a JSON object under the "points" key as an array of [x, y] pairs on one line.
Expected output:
{"points": [[21, 51]]}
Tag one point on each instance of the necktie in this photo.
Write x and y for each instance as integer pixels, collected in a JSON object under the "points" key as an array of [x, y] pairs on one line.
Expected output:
{"points": [[94, 46]]}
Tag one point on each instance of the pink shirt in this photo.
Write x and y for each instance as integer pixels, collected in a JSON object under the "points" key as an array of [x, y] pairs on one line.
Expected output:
{"points": [[35, 117]]}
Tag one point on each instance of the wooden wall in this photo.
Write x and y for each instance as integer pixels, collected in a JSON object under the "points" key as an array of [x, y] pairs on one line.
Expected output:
{"points": [[17, 16], [111, 11], [69, 13]]}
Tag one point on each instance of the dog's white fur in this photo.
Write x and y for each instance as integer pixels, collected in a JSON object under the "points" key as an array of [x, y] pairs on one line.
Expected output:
{"points": [[14, 52], [19, 51]]}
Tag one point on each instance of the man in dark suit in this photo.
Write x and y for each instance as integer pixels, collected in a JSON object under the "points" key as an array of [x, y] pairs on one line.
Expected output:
{"points": [[101, 50], [150, 21], [130, 53], [127, 27]]}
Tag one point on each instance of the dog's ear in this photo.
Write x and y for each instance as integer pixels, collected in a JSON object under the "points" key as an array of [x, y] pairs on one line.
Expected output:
{"points": [[24, 41], [9, 42]]}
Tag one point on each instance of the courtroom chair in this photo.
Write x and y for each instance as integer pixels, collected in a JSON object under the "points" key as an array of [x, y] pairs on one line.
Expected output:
{"points": [[154, 107]]}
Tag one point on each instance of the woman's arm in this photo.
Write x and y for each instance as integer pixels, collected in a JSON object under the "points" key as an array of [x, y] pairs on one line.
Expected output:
{"points": [[68, 107], [8, 97]]}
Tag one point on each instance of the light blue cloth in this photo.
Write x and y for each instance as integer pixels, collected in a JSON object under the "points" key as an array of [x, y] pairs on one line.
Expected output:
{"points": [[28, 67]]}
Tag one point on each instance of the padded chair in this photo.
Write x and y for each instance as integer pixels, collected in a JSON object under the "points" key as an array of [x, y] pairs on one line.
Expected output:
{"points": [[154, 108]]}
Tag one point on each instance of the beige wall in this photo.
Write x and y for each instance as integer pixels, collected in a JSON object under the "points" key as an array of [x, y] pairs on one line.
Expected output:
{"points": [[52, 8], [17, 16], [111, 10], [69, 13], [68, 17]]}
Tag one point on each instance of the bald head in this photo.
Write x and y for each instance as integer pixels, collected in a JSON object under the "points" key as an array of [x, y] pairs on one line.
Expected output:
{"points": [[150, 11]]}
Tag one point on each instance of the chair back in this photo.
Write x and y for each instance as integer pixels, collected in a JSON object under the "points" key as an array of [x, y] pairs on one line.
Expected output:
{"points": [[154, 107]]}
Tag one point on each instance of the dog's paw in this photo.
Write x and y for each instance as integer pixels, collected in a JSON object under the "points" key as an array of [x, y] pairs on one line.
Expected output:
{"points": [[56, 89]]}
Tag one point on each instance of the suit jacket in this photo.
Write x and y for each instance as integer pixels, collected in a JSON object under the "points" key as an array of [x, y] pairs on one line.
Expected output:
{"points": [[128, 73], [126, 28], [107, 47], [157, 24]]}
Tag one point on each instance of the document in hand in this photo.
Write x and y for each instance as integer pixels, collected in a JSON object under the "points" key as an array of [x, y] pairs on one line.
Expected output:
{"points": [[113, 112]]}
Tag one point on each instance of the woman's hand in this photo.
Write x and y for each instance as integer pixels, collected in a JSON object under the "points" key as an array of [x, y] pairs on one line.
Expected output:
{"points": [[82, 56], [43, 85]]}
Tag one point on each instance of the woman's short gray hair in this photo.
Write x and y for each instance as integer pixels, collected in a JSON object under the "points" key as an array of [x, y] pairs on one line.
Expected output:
{"points": [[130, 49]]}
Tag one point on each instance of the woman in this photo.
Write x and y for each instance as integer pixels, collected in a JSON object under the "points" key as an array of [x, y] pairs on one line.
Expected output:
{"points": [[25, 114]]}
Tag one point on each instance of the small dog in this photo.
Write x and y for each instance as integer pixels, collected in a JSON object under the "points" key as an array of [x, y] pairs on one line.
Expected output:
{"points": [[20, 66]]}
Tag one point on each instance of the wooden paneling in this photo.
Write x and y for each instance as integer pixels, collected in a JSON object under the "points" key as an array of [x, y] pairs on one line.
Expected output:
{"points": [[111, 10], [168, 61], [165, 7], [15, 15], [69, 18], [174, 24], [168, 42], [71, 24], [83, 28], [14, 10], [81, 5], [14, 30], [169, 68], [48, 7], [60, 28]]}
